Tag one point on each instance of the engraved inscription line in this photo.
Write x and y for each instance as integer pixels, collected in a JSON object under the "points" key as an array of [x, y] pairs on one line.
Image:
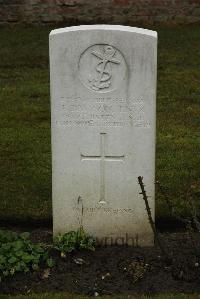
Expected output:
{"points": [[102, 158], [106, 111]]}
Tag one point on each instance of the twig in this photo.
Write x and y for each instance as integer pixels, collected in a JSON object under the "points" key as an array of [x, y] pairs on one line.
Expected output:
{"points": [[140, 181]]}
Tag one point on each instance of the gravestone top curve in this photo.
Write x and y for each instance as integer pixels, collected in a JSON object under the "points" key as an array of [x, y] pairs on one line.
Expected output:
{"points": [[105, 27]]}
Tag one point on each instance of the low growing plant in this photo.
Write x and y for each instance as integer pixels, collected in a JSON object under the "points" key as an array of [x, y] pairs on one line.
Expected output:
{"points": [[19, 254], [73, 240]]}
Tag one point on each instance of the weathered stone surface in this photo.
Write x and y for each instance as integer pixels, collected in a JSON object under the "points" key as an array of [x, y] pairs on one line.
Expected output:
{"points": [[103, 90]]}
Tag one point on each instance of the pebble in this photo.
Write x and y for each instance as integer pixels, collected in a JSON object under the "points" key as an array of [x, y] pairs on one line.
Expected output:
{"points": [[79, 261], [96, 294]]}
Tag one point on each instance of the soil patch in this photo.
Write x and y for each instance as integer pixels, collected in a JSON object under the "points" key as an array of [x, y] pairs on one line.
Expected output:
{"points": [[114, 270]]}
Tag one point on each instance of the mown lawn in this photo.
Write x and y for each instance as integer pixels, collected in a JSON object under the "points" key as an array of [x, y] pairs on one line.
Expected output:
{"points": [[25, 150]]}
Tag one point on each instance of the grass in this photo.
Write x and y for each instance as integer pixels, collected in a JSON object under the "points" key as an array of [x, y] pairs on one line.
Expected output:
{"points": [[65, 296], [177, 114], [25, 150]]}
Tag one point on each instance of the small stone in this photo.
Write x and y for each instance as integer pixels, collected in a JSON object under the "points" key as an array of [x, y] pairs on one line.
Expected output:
{"points": [[63, 255], [96, 294], [46, 274], [181, 274], [106, 275], [79, 261]]}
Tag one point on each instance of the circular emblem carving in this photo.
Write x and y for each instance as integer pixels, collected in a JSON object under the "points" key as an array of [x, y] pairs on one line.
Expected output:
{"points": [[102, 68]]}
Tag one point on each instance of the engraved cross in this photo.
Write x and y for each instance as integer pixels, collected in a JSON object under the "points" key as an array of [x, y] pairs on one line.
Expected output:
{"points": [[102, 158]]}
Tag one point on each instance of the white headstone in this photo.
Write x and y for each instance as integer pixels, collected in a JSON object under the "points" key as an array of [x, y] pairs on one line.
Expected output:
{"points": [[103, 96]]}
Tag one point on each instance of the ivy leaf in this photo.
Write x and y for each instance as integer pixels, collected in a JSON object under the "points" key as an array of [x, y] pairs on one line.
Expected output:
{"points": [[27, 258], [24, 236], [50, 263], [12, 260]]}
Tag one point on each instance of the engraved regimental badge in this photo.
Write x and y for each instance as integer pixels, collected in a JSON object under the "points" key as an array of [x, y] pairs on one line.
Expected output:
{"points": [[102, 68]]}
